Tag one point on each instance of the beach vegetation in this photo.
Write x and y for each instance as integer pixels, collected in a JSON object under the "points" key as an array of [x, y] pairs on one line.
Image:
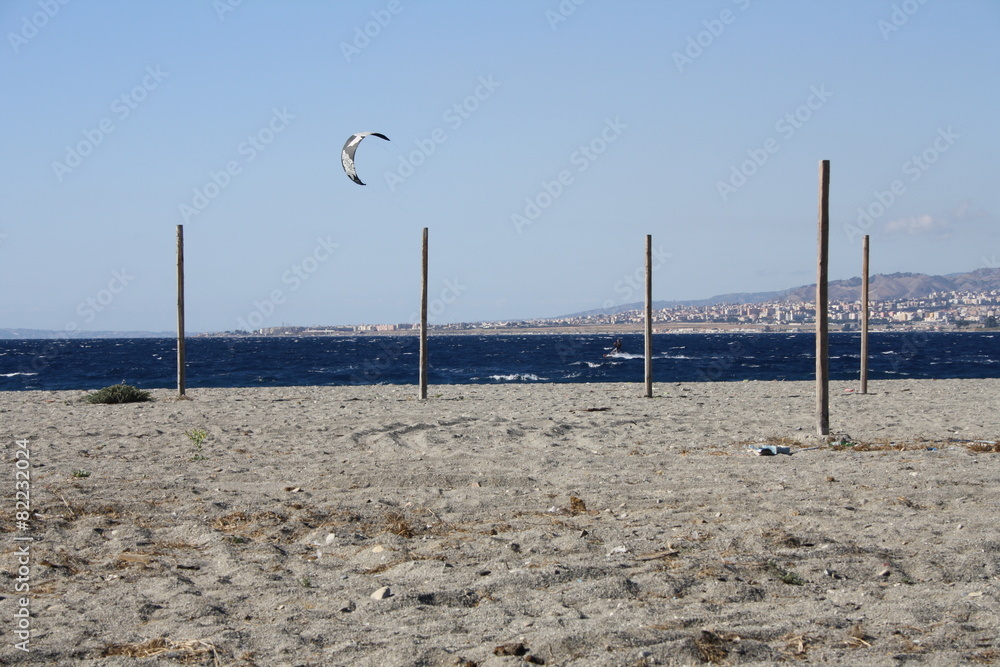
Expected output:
{"points": [[783, 575], [713, 648], [189, 651], [397, 524], [857, 637], [197, 437], [984, 446], [81, 473], [118, 393]]}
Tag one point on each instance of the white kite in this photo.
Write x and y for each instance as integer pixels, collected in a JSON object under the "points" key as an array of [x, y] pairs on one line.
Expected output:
{"points": [[347, 155]]}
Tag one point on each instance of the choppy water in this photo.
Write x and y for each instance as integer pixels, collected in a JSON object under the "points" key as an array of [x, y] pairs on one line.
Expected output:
{"points": [[463, 359]]}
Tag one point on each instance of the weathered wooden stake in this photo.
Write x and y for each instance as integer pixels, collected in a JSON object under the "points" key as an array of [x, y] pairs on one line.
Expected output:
{"points": [[423, 323], [180, 312], [864, 316], [822, 343], [649, 316]]}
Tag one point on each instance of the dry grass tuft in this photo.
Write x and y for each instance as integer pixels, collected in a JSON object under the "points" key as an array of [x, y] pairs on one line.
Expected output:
{"points": [[920, 443], [983, 447], [796, 646], [45, 588], [882, 447], [126, 559], [777, 537], [515, 649], [711, 646], [66, 563], [190, 651], [397, 524], [783, 575], [857, 637], [905, 502], [231, 522], [259, 522], [987, 657], [178, 546]]}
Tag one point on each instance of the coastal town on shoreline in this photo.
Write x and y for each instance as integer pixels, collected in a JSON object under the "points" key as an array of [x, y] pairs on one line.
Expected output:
{"points": [[940, 311]]}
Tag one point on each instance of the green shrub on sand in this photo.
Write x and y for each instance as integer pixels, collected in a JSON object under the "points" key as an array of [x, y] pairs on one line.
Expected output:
{"points": [[118, 393]]}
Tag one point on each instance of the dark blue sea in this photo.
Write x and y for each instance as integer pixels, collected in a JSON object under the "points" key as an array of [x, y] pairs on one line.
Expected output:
{"points": [[471, 359]]}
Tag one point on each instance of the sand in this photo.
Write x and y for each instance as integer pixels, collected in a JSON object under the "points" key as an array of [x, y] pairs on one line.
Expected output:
{"points": [[507, 524]]}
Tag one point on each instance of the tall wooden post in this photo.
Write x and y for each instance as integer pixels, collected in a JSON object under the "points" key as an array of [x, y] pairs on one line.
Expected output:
{"points": [[864, 316], [649, 316], [180, 312], [423, 322], [822, 327]]}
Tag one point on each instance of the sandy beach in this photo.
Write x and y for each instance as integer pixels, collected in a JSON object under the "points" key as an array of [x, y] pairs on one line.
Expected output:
{"points": [[506, 524]]}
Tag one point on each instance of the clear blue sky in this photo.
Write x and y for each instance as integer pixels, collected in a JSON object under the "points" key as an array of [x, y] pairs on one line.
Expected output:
{"points": [[701, 123]]}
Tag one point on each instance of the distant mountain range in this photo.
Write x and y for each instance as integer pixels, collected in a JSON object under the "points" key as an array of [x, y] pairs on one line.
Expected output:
{"points": [[882, 287], [23, 334]]}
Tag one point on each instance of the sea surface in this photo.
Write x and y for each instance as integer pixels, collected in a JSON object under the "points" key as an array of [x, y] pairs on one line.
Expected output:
{"points": [[472, 359]]}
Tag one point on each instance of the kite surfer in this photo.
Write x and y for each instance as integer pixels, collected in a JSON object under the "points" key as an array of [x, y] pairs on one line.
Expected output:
{"points": [[616, 349]]}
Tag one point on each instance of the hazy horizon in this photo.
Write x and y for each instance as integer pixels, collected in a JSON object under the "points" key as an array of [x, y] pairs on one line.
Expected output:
{"points": [[248, 326]]}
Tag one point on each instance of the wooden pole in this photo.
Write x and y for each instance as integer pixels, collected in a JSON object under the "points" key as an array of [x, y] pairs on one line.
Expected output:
{"points": [[423, 322], [649, 316], [822, 343], [180, 312], [864, 316]]}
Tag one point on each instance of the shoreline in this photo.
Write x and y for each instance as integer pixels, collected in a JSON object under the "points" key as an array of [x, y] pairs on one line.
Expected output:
{"points": [[170, 393], [609, 330], [706, 328]]}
